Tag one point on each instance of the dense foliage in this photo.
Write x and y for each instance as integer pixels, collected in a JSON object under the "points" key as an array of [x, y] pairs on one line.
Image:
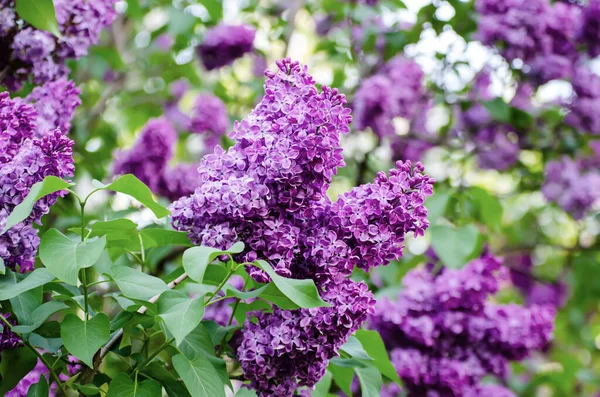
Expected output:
{"points": [[360, 198]]}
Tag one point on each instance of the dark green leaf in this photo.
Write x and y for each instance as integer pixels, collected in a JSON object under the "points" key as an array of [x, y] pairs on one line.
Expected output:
{"points": [[303, 293], [342, 377], [39, 389], [84, 338], [15, 364], [123, 386], [39, 315], [499, 110], [197, 259], [64, 257], [131, 186], [181, 313], [49, 185], [24, 304], [137, 285], [199, 376], [156, 237], [39, 14]]}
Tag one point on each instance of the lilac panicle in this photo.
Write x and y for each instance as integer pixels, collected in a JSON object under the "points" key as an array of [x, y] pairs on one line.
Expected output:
{"points": [[268, 190], [223, 44], [445, 336], [589, 32], [8, 339], [150, 154], [209, 117], [55, 103]]}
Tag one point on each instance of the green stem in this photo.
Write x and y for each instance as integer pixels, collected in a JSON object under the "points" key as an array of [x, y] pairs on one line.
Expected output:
{"points": [[37, 353], [220, 286], [86, 307], [149, 359]]}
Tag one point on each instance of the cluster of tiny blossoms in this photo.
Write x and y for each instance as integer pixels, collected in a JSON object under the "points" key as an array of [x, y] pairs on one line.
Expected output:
{"points": [[223, 44], [32, 146], [535, 291], [268, 190], [37, 56], [445, 336], [396, 91], [148, 159], [40, 370], [209, 118]]}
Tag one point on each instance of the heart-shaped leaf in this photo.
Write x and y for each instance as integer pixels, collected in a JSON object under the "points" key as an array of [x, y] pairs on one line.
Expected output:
{"points": [[197, 259], [137, 285], [181, 313], [84, 338], [199, 376], [123, 386], [11, 287], [64, 257]]}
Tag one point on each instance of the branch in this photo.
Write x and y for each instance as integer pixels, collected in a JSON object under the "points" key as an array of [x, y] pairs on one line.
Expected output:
{"points": [[3, 73]]}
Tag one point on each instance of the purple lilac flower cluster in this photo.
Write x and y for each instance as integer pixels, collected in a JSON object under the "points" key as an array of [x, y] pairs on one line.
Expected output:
{"points": [[541, 34], [38, 56], [573, 184], [584, 115], [149, 159], [8, 339], [396, 91], [268, 190], [445, 336], [209, 118], [223, 44], [28, 153], [536, 292]]}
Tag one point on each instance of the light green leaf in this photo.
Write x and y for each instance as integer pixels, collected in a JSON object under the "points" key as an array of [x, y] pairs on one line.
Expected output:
{"points": [[15, 364], [499, 109], [84, 338], [197, 259], [230, 290], [198, 343], [455, 246], [9, 287], [64, 257], [322, 388], [489, 209], [123, 386], [181, 313], [437, 204], [199, 376], [303, 293], [137, 285], [131, 186], [214, 8], [373, 344], [342, 377], [2, 267], [39, 14], [354, 348], [39, 315], [39, 389], [370, 381], [49, 185]]}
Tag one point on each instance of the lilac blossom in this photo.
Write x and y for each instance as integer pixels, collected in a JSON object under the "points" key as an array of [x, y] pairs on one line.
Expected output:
{"points": [[223, 44], [445, 336], [8, 339], [55, 103], [589, 32], [209, 118], [583, 114], [535, 291]]}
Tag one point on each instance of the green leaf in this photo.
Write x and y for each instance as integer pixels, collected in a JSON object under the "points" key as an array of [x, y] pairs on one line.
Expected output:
{"points": [[197, 259], [370, 381], [272, 294], [214, 8], [373, 344], [84, 338], [198, 343], [156, 237], [322, 388], [24, 304], [39, 14], [342, 377], [64, 257], [354, 348], [49, 185], [9, 287], [181, 313], [230, 290], [455, 246], [131, 186], [304, 293], [199, 376], [437, 204], [39, 389], [123, 386], [489, 209], [2, 267], [15, 364], [39, 315], [137, 285], [499, 110]]}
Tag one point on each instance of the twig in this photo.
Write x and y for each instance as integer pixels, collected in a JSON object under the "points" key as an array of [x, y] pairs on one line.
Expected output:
{"points": [[3, 72], [102, 353]]}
